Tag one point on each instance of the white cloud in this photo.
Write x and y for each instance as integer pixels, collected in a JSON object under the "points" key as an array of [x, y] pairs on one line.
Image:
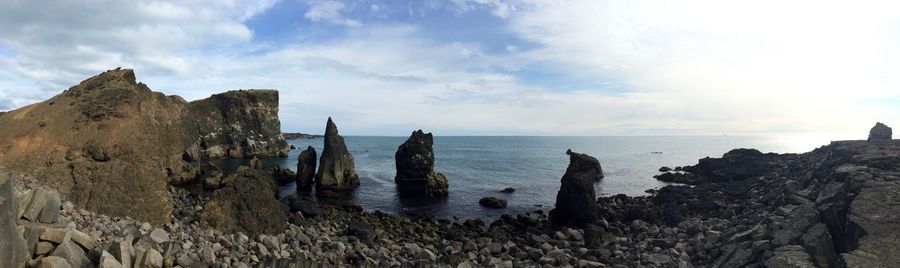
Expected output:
{"points": [[329, 11], [694, 67], [61, 42], [729, 66]]}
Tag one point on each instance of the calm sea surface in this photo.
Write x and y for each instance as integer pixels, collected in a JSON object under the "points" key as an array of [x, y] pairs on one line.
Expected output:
{"points": [[481, 166]]}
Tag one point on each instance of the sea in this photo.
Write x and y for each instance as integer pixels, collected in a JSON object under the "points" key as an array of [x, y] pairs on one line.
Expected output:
{"points": [[479, 167]]}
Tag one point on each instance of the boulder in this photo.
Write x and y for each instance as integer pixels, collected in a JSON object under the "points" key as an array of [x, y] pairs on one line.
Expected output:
{"points": [[13, 252], [53, 262], [248, 205], [40, 205], [576, 201], [308, 207], [306, 168], [880, 132], [415, 167], [108, 261], [508, 190], [73, 253], [336, 166], [492, 202]]}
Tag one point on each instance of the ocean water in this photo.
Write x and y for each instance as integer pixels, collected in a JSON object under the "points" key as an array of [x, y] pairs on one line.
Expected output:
{"points": [[481, 166]]}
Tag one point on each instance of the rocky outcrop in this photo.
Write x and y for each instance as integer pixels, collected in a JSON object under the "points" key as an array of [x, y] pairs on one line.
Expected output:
{"points": [[238, 124], [576, 200], [415, 167], [337, 170], [298, 136], [248, 204], [880, 132], [492, 202], [109, 143], [13, 252], [306, 168]]}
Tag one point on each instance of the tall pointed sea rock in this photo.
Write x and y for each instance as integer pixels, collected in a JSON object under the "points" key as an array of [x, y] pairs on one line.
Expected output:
{"points": [[336, 166]]}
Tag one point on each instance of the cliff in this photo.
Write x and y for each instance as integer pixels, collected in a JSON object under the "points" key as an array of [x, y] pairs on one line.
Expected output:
{"points": [[109, 144], [238, 124]]}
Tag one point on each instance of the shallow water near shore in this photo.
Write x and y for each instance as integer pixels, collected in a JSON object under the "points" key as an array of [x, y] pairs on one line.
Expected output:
{"points": [[482, 166]]}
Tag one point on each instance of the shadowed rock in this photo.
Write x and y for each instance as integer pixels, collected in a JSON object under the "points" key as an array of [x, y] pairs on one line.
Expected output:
{"points": [[576, 201], [336, 166], [248, 204], [12, 244], [415, 167], [306, 168], [492, 202], [880, 132]]}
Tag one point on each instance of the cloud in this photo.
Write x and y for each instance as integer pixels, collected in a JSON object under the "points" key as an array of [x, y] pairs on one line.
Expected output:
{"points": [[728, 66], [570, 67], [60, 42], [330, 11]]}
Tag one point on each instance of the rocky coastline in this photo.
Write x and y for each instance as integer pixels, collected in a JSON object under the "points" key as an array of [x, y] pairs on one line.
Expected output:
{"points": [[69, 206], [826, 208]]}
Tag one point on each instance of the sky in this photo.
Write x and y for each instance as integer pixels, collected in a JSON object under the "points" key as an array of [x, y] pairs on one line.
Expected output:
{"points": [[485, 67]]}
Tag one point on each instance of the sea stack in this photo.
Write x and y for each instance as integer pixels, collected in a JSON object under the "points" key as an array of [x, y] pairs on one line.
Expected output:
{"points": [[576, 201], [306, 168], [415, 167], [880, 132], [336, 167]]}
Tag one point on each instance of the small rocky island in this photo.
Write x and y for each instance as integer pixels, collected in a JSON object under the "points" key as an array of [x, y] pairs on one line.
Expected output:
{"points": [[111, 174], [415, 167]]}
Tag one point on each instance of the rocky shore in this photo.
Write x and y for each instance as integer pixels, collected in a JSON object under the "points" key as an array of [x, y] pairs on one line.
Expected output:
{"points": [[831, 207], [111, 174]]}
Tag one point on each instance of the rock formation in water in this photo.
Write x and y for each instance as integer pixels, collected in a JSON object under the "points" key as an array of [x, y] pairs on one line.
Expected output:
{"points": [[306, 168], [880, 132], [13, 252], [248, 204], [238, 124], [492, 202], [576, 201], [336, 167], [109, 143], [415, 167]]}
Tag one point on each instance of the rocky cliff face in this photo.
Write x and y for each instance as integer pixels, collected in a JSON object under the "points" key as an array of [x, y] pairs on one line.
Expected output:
{"points": [[110, 144], [237, 124], [337, 170], [415, 167]]}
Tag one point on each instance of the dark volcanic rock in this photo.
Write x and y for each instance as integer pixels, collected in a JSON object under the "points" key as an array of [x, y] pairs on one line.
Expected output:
{"points": [[508, 190], [308, 207], [492, 202], [737, 164], [880, 132], [247, 205], [415, 167], [576, 201], [238, 124], [13, 250], [336, 167], [306, 168]]}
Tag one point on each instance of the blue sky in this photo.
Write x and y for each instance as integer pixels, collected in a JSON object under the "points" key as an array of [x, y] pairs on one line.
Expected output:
{"points": [[485, 67]]}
